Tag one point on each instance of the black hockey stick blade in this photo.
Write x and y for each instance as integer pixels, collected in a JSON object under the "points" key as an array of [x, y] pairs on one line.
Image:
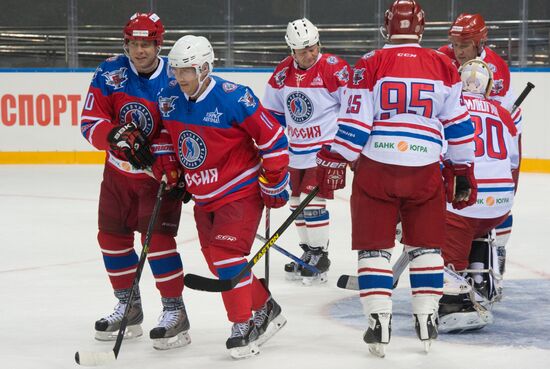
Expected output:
{"points": [[197, 282], [347, 282]]}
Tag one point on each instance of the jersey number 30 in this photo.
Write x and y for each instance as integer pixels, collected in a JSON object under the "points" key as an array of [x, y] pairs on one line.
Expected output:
{"points": [[493, 145]]}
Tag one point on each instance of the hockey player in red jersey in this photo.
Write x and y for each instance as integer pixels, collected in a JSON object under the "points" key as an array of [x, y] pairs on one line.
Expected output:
{"points": [[467, 245], [403, 102], [120, 116], [468, 35], [235, 157], [304, 94]]}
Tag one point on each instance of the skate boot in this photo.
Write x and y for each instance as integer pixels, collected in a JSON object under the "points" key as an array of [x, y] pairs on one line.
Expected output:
{"points": [[319, 259], [378, 333], [425, 326], [171, 331], [293, 269], [107, 328], [268, 320], [242, 342]]}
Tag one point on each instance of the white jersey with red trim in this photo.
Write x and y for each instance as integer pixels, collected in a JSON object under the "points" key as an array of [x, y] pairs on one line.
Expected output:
{"points": [[497, 153], [403, 102], [307, 103]]}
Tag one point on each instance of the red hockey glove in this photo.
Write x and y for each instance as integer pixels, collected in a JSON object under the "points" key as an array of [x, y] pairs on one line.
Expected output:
{"points": [[331, 171], [273, 189], [166, 162], [132, 144], [460, 184]]}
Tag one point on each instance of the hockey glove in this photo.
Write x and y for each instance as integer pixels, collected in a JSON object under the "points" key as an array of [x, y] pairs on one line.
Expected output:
{"points": [[460, 184], [132, 144], [179, 191], [273, 189], [331, 171], [166, 162]]}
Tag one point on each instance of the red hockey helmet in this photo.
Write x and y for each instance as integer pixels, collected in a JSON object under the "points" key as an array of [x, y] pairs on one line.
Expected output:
{"points": [[144, 26], [404, 20], [469, 27]]}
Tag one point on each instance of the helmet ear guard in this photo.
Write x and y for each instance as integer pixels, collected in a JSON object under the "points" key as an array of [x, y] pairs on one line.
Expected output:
{"points": [[477, 77]]}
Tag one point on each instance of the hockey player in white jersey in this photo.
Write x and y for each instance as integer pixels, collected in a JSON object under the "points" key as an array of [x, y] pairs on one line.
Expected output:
{"points": [[304, 94], [468, 247]]}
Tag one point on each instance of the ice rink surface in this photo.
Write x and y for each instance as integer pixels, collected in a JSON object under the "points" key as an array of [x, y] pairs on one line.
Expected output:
{"points": [[53, 287]]}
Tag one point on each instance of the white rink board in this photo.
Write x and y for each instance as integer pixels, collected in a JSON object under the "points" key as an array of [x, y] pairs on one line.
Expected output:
{"points": [[52, 102]]}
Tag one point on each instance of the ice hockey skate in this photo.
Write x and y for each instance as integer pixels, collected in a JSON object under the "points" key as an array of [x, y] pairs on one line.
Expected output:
{"points": [[425, 326], [458, 314], [171, 331], [293, 270], [242, 342], [268, 321], [378, 333], [107, 328], [319, 259]]}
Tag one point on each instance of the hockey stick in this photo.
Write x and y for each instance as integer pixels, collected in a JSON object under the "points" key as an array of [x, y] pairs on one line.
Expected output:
{"points": [[293, 257], [267, 235], [351, 282], [198, 282], [522, 96], [90, 358]]}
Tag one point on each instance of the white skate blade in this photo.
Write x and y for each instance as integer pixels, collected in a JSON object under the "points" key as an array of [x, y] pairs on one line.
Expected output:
{"points": [[316, 279], [89, 358], [244, 352], [427, 345], [180, 340], [132, 331], [274, 326], [377, 349], [465, 321]]}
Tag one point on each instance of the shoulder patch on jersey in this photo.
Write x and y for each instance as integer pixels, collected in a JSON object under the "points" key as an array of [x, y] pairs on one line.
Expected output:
{"points": [[358, 75], [368, 55], [492, 67], [167, 105], [498, 85], [342, 74], [139, 114], [247, 99], [116, 78], [299, 106], [229, 87], [191, 149], [280, 77], [332, 60]]}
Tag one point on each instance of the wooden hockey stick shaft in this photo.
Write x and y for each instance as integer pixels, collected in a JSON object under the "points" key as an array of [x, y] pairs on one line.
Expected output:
{"points": [[198, 282]]}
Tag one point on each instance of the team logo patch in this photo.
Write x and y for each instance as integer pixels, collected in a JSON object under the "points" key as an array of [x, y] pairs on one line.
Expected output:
{"points": [[332, 60], [342, 75], [167, 105], [280, 77], [300, 106], [317, 81], [139, 114], [368, 55], [498, 85], [492, 67], [212, 117], [358, 75], [191, 149], [247, 99], [116, 78], [229, 87]]}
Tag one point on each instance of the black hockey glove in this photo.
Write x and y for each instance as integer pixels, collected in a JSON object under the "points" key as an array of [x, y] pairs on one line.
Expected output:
{"points": [[128, 140], [179, 191]]}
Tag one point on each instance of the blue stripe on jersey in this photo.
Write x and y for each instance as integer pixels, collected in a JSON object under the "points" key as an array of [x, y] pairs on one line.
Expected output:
{"points": [[120, 262], [85, 127], [303, 152], [406, 134], [375, 281], [279, 117], [507, 223], [462, 129], [165, 265], [426, 280], [231, 271], [495, 189], [281, 143], [353, 135]]}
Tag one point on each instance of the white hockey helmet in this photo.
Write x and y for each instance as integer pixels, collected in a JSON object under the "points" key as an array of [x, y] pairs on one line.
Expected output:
{"points": [[191, 51], [301, 33], [476, 77]]}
